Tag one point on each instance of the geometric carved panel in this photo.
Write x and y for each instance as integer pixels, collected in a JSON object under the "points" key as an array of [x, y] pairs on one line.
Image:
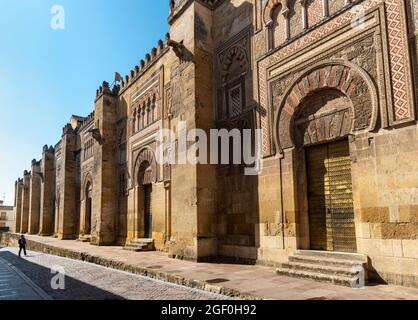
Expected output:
{"points": [[344, 80], [398, 74]]}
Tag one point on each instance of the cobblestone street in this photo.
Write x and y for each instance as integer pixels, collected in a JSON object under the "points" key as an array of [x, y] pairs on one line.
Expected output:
{"points": [[83, 281]]}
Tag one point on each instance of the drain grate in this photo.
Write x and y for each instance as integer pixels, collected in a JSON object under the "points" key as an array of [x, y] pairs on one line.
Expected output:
{"points": [[214, 281]]}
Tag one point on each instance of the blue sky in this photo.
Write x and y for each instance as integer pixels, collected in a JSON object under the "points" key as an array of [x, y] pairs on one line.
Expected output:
{"points": [[47, 75]]}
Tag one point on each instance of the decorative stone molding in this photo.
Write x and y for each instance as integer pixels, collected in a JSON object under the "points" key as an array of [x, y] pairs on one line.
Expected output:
{"points": [[238, 55], [86, 180], [146, 103], [341, 76], [233, 70], [145, 155], [269, 8], [389, 83]]}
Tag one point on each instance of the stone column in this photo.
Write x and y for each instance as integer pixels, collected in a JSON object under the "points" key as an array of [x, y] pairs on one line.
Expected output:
{"points": [[35, 198], [18, 204], [105, 196], [67, 204], [25, 202], [46, 227]]}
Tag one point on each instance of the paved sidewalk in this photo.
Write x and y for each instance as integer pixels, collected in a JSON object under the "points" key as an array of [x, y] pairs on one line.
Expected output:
{"points": [[248, 281], [87, 281], [14, 285]]}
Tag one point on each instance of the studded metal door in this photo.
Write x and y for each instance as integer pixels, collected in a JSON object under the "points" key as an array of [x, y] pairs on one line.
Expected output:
{"points": [[148, 211], [330, 198]]}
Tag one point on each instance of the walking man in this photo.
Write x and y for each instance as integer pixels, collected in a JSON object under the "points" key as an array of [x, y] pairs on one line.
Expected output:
{"points": [[22, 245]]}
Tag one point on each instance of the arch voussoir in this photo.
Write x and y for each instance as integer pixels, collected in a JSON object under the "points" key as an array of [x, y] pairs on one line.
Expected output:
{"points": [[146, 155], [345, 77]]}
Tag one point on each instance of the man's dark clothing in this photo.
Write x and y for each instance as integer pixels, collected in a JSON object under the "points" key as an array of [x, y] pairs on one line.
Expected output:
{"points": [[22, 246]]}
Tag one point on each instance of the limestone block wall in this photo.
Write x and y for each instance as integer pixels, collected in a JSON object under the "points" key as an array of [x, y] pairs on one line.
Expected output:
{"points": [[273, 224], [237, 195], [25, 203], [183, 242], [385, 182], [35, 197], [66, 218], [412, 8], [204, 111], [105, 169], [158, 216], [46, 223], [18, 204], [87, 143]]}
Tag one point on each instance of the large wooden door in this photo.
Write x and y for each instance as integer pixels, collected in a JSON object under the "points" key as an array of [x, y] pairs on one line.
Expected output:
{"points": [[330, 198], [148, 211]]}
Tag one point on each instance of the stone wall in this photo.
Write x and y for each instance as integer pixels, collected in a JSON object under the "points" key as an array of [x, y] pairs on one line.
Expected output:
{"points": [[18, 204], [34, 198], [385, 181], [66, 220], [299, 71], [46, 221], [24, 227]]}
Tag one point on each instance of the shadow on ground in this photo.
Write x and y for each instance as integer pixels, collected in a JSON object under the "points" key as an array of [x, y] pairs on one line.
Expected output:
{"points": [[41, 276]]}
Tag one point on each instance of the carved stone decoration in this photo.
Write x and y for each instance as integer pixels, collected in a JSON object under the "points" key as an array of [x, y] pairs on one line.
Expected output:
{"points": [[363, 54], [87, 179], [235, 64], [146, 103], [145, 165], [269, 8], [233, 69], [322, 117], [169, 103], [341, 76]]}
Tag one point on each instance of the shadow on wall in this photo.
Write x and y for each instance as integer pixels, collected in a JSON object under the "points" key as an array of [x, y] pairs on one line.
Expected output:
{"points": [[238, 216], [42, 276]]}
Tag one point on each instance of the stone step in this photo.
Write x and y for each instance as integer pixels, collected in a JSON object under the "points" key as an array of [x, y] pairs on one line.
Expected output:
{"points": [[135, 245], [132, 249], [138, 245], [334, 279], [333, 255], [84, 239], [321, 269], [142, 241], [325, 261]]}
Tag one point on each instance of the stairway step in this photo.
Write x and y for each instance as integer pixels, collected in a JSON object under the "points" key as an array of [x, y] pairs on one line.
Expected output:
{"points": [[134, 245], [84, 239], [132, 249], [138, 245], [332, 255], [142, 241], [337, 280], [318, 268], [325, 261]]}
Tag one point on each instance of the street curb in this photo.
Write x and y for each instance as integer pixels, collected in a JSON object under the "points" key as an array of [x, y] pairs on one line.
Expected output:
{"points": [[10, 240]]}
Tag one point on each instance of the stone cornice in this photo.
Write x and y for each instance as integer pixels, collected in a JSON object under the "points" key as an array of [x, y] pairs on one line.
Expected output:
{"points": [[180, 5]]}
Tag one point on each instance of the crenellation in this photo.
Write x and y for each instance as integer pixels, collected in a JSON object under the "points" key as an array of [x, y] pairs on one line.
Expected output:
{"points": [[147, 62]]}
